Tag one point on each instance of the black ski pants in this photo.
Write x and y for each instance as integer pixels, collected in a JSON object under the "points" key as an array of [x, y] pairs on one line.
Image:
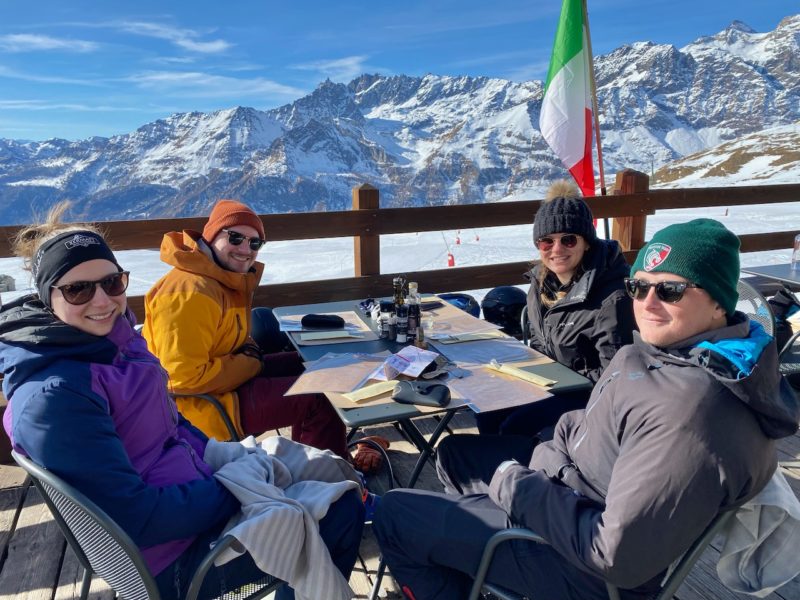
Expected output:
{"points": [[432, 543]]}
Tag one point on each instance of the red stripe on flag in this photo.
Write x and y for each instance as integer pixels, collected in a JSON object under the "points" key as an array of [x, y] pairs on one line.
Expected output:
{"points": [[583, 171]]}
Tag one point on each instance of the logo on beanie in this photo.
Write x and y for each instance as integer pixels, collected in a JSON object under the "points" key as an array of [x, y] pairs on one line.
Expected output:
{"points": [[656, 254], [80, 240]]}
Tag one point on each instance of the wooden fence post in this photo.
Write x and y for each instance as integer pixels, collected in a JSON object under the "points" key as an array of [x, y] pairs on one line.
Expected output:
{"points": [[629, 231], [367, 247]]}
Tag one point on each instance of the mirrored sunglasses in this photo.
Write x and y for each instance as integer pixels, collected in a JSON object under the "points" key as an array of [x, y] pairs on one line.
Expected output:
{"points": [[667, 291], [547, 242], [235, 239], [81, 292]]}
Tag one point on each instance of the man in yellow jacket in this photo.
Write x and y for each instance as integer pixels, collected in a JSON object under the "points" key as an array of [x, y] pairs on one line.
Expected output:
{"points": [[197, 321]]}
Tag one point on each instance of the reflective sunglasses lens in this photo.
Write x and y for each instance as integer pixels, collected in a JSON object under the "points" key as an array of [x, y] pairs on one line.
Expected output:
{"points": [[569, 241], [235, 238], [546, 243], [670, 291], [79, 292], [115, 285], [666, 291], [633, 289], [255, 244]]}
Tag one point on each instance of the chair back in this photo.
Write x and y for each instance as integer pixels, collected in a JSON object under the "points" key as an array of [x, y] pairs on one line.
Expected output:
{"points": [[685, 564], [668, 587], [100, 544], [526, 327], [755, 306]]}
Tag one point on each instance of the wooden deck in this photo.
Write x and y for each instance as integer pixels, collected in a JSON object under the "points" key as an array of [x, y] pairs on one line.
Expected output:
{"points": [[35, 563]]}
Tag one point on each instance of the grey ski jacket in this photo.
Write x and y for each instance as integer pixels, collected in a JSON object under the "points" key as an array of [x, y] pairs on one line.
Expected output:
{"points": [[668, 439]]}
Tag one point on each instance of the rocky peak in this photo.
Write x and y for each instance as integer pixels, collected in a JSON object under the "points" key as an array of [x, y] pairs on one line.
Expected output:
{"points": [[328, 101]]}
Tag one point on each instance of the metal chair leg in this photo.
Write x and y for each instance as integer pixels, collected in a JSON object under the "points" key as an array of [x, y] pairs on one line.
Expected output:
{"points": [[85, 584], [376, 587]]}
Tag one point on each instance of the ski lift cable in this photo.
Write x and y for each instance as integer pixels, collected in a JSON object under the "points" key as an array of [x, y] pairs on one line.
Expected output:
{"points": [[445, 241]]}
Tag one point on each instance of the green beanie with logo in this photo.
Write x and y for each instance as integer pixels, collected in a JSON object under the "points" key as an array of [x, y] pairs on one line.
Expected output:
{"points": [[703, 251]]}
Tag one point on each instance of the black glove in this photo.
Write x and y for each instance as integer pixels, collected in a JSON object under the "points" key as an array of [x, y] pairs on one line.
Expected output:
{"points": [[249, 349]]}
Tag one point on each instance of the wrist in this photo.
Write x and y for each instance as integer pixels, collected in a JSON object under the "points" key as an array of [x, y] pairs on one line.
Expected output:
{"points": [[505, 464]]}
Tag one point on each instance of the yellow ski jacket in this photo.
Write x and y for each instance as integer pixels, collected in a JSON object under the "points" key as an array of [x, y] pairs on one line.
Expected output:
{"points": [[196, 318]]}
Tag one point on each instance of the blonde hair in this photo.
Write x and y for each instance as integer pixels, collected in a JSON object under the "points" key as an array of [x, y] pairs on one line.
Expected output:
{"points": [[30, 238], [548, 301]]}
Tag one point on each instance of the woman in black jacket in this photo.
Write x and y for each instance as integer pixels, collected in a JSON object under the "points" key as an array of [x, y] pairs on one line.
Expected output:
{"points": [[578, 312]]}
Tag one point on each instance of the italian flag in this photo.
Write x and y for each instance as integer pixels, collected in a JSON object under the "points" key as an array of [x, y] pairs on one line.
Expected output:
{"points": [[566, 117]]}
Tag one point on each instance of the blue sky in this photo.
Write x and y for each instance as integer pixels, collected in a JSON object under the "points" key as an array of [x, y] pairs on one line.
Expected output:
{"points": [[78, 68]]}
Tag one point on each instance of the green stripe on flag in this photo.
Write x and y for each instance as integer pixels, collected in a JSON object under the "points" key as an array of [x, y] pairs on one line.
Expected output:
{"points": [[569, 37]]}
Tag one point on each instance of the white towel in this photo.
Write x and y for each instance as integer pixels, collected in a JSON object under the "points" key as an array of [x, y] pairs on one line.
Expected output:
{"points": [[281, 508], [761, 551]]}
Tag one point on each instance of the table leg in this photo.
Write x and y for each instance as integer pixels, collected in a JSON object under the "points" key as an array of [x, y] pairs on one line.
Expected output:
{"points": [[351, 434], [426, 450], [425, 447]]}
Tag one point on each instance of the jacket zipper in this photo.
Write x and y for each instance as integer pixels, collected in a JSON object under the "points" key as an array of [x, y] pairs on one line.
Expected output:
{"points": [[172, 408], [238, 331]]}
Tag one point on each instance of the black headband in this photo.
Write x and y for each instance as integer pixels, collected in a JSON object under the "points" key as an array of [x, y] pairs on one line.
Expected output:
{"points": [[60, 254]]}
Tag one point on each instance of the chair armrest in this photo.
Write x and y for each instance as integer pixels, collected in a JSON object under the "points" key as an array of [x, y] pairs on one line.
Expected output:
{"points": [[489, 550], [789, 343], [208, 562], [220, 409], [258, 589]]}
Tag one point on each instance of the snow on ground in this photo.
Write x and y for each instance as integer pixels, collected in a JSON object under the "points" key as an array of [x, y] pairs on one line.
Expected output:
{"points": [[332, 258]]}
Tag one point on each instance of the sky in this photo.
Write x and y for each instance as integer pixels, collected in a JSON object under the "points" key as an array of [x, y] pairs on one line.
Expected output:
{"points": [[82, 68]]}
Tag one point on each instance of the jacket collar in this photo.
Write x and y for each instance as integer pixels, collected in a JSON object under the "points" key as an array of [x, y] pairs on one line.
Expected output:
{"points": [[187, 251]]}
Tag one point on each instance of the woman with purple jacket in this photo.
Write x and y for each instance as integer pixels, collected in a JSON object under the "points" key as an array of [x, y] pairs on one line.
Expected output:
{"points": [[89, 402]]}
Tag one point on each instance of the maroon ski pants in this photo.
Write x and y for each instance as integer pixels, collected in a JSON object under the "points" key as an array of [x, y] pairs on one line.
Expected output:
{"points": [[262, 406]]}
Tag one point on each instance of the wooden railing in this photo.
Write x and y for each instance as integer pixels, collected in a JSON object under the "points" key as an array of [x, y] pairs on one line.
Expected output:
{"points": [[630, 205]]}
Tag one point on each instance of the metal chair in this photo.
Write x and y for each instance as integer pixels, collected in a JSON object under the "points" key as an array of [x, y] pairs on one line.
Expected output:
{"points": [[668, 587], [755, 306], [789, 356], [102, 546], [525, 326], [223, 414]]}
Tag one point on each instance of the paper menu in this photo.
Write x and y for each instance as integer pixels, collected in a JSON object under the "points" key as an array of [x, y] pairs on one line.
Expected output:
{"points": [[519, 373], [336, 373], [449, 321], [410, 361]]}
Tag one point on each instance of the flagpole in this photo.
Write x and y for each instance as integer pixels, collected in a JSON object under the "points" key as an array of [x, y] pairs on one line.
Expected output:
{"points": [[593, 85]]}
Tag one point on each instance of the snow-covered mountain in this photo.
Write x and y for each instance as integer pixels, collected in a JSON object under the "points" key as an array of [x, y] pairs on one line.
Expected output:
{"points": [[424, 140], [765, 157]]}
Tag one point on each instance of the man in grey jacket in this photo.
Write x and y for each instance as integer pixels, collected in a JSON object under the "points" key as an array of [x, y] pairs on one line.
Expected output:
{"points": [[681, 425]]}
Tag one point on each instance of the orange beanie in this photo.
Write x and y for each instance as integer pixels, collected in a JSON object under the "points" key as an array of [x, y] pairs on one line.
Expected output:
{"points": [[229, 213]]}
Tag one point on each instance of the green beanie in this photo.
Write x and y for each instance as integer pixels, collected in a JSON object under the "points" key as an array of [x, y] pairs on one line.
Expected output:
{"points": [[703, 251]]}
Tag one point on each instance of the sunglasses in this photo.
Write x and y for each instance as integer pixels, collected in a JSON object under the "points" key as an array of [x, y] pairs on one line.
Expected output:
{"points": [[667, 291], [82, 292], [235, 239], [546, 243]]}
